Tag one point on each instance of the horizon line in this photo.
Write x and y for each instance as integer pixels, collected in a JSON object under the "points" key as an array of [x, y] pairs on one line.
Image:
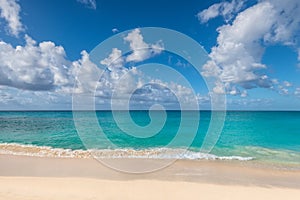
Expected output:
{"points": [[106, 110]]}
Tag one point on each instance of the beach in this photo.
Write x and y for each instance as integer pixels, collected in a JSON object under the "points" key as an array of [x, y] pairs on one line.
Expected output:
{"points": [[28, 177], [150, 100], [45, 157]]}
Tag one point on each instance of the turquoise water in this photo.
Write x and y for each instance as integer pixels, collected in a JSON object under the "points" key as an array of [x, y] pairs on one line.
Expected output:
{"points": [[270, 137]]}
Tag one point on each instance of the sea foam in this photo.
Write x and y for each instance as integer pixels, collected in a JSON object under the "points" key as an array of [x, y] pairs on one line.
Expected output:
{"points": [[151, 153]]}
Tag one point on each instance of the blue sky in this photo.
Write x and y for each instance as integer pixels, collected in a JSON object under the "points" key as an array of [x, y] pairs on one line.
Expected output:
{"points": [[253, 53]]}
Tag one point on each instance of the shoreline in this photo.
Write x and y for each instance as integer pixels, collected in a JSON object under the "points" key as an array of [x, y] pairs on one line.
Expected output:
{"points": [[24, 177], [156, 153]]}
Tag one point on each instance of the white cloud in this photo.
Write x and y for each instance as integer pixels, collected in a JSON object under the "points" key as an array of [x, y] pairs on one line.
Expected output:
{"points": [[89, 3], [275, 81], [287, 19], [285, 91], [145, 90], [226, 88], [84, 73], [219, 88], [249, 103], [10, 10], [41, 72], [297, 91], [284, 87], [44, 67], [121, 81], [115, 30], [244, 93], [224, 9], [236, 59], [142, 89], [115, 59], [5, 97], [34, 66], [234, 91], [287, 84], [166, 93], [282, 90], [141, 50], [209, 13]]}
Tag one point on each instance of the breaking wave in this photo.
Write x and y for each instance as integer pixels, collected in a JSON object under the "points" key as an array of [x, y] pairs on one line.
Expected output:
{"points": [[151, 153]]}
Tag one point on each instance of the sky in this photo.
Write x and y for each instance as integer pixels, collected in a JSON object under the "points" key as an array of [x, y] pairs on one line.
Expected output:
{"points": [[56, 54]]}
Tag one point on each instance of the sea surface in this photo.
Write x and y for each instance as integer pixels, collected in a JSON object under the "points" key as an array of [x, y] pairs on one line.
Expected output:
{"points": [[271, 138]]}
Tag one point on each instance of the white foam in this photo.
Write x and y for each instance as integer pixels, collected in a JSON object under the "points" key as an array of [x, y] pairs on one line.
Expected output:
{"points": [[152, 153], [41, 151]]}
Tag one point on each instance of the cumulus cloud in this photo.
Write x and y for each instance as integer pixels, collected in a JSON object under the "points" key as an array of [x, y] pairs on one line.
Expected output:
{"points": [[224, 9], [143, 90], [117, 76], [236, 59], [9, 11], [89, 3], [115, 59], [120, 81], [41, 71], [83, 76], [36, 72], [44, 67], [33, 66], [287, 19], [141, 49]]}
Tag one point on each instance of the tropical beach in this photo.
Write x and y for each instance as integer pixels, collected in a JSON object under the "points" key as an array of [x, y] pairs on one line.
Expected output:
{"points": [[130, 99], [67, 170]]}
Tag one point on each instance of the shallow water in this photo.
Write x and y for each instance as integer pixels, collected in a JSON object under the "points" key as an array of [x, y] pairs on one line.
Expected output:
{"points": [[269, 137]]}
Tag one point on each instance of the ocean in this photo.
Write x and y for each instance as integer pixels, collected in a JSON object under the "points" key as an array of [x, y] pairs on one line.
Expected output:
{"points": [[267, 137]]}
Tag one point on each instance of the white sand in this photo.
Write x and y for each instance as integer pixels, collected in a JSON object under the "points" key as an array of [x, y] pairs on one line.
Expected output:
{"points": [[30, 178], [35, 188]]}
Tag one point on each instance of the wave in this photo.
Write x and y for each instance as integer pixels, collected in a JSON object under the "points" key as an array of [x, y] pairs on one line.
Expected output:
{"points": [[41, 151], [151, 153], [163, 153]]}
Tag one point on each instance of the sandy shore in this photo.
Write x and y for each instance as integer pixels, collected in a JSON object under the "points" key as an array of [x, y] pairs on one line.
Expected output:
{"points": [[55, 178], [85, 188]]}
